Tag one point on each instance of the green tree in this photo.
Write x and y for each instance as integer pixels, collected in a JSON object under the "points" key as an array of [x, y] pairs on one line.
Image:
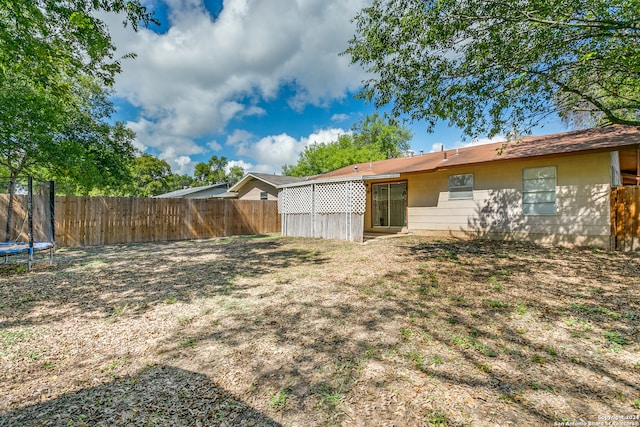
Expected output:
{"points": [[178, 182], [373, 138], [215, 172], [235, 174], [211, 172], [42, 39], [324, 157], [56, 67], [386, 134], [151, 176], [64, 138], [489, 66]]}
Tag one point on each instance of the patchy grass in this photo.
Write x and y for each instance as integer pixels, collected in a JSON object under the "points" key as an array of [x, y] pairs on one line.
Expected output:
{"points": [[279, 400], [282, 331]]}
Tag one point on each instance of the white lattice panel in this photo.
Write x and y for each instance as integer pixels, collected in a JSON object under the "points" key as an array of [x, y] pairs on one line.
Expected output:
{"points": [[331, 198], [359, 197], [340, 197], [325, 198], [295, 200]]}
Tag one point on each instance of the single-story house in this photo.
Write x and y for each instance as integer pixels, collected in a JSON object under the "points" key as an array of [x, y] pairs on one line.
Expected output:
{"points": [[548, 189], [202, 192], [258, 186]]}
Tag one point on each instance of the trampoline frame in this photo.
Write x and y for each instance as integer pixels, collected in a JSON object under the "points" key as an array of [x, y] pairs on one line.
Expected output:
{"points": [[8, 248]]}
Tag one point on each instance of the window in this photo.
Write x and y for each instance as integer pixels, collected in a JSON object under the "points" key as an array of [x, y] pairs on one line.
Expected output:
{"points": [[461, 186], [264, 195], [616, 176], [539, 191]]}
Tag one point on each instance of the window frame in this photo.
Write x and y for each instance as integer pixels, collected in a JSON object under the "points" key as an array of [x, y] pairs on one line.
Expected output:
{"points": [[264, 195], [458, 194], [389, 211], [537, 207]]}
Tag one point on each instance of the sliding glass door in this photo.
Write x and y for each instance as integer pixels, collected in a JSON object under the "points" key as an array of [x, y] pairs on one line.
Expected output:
{"points": [[390, 204]]}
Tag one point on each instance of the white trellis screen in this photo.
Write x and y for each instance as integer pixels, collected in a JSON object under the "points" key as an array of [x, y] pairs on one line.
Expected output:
{"points": [[331, 210]]}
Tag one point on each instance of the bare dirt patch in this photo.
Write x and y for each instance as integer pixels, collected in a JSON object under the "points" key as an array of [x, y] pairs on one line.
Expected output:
{"points": [[266, 330]]}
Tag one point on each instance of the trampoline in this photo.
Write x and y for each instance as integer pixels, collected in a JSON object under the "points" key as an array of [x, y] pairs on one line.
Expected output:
{"points": [[27, 209]]}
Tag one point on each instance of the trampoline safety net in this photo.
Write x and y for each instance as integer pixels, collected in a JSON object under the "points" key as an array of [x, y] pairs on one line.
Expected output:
{"points": [[27, 214]]}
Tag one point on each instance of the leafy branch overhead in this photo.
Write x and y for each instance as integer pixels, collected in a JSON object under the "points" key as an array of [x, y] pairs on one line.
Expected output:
{"points": [[56, 67], [489, 66]]}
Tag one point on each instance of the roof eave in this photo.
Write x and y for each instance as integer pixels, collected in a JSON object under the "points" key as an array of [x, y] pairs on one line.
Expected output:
{"points": [[339, 179], [246, 178]]}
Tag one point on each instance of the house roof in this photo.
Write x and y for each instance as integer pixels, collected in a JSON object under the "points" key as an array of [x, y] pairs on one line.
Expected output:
{"points": [[227, 195], [271, 179], [190, 191], [595, 139]]}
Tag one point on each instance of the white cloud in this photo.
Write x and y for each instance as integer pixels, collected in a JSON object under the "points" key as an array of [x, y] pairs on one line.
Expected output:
{"points": [[255, 111], [339, 117], [273, 151], [179, 164], [244, 165], [184, 163], [192, 80], [240, 140], [213, 145], [325, 135], [436, 147], [174, 149]]}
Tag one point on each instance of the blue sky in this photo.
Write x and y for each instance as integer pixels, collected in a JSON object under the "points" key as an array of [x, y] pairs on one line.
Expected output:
{"points": [[255, 81]]}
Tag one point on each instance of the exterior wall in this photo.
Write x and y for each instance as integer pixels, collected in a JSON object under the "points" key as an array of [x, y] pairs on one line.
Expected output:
{"points": [[252, 190], [582, 202]]}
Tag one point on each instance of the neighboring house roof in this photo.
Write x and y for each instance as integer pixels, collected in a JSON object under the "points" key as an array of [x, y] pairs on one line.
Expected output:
{"points": [[193, 191], [595, 139], [227, 195], [271, 179]]}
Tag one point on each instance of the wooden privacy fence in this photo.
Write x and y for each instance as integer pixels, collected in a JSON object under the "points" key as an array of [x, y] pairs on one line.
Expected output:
{"points": [[625, 218], [87, 221], [17, 230]]}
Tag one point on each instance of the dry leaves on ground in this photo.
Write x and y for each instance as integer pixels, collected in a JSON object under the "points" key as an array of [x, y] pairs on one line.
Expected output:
{"points": [[265, 330]]}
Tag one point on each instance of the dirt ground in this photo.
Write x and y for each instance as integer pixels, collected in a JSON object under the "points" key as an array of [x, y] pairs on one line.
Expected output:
{"points": [[266, 331]]}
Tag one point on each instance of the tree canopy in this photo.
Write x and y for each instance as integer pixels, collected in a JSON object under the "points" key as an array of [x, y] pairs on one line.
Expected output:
{"points": [[56, 66], [373, 138], [489, 66], [64, 138], [151, 176], [383, 133], [215, 172], [43, 39]]}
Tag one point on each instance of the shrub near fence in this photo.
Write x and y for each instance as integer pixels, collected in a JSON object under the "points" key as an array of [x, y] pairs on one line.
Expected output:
{"points": [[88, 221]]}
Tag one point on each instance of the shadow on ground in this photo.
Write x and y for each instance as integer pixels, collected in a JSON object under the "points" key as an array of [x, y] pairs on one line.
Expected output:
{"points": [[468, 333], [155, 396], [100, 281]]}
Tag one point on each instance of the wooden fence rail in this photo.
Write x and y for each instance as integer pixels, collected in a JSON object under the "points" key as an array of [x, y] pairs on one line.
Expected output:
{"points": [[87, 221], [625, 218]]}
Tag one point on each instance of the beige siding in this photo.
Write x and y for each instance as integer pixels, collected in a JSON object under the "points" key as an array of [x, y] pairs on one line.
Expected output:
{"points": [[252, 190], [582, 202]]}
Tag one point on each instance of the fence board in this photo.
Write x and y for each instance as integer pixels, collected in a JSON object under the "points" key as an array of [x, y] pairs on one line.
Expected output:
{"points": [[89, 221], [625, 218]]}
